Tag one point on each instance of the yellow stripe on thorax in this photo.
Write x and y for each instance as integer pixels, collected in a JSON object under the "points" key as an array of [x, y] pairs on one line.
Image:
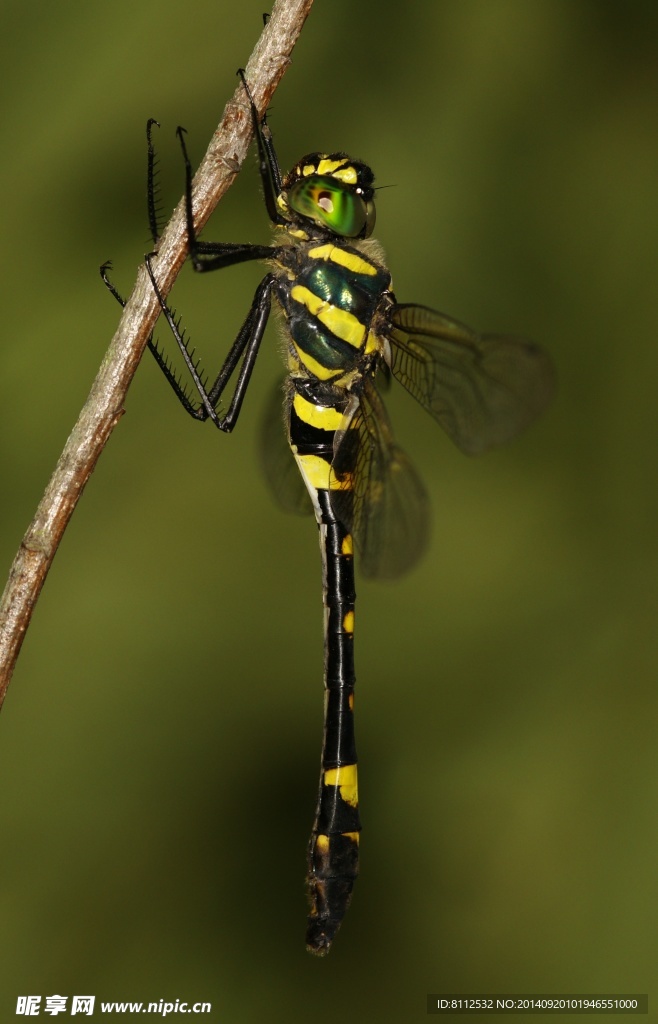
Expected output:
{"points": [[323, 417], [345, 778], [349, 260], [344, 325], [373, 343], [316, 368]]}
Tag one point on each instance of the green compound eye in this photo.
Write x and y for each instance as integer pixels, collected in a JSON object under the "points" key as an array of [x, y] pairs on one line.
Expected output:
{"points": [[332, 205]]}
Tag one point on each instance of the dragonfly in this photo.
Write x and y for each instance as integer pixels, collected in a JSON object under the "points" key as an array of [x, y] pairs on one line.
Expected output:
{"points": [[346, 335]]}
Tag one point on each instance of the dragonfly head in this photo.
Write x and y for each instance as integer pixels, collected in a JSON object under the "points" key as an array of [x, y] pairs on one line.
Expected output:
{"points": [[330, 192]]}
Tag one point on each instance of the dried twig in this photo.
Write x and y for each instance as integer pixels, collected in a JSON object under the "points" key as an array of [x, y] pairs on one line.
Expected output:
{"points": [[104, 406]]}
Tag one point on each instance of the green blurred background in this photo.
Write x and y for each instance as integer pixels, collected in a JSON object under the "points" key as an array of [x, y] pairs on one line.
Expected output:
{"points": [[160, 742]]}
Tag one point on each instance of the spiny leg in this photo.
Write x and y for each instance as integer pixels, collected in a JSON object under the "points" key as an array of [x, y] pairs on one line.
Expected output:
{"points": [[160, 358], [244, 347], [207, 256], [151, 188], [268, 165]]}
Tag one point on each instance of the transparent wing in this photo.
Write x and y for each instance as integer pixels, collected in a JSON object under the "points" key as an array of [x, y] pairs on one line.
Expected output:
{"points": [[384, 504], [483, 389], [278, 462]]}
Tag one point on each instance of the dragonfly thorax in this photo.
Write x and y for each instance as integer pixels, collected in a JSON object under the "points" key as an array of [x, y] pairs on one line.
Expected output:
{"points": [[329, 293]]}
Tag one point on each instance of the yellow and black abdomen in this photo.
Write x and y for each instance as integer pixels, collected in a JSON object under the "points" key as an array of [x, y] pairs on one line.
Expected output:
{"points": [[317, 411], [329, 307], [329, 297]]}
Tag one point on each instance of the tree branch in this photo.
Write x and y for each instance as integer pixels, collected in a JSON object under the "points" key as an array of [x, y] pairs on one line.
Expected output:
{"points": [[104, 406]]}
